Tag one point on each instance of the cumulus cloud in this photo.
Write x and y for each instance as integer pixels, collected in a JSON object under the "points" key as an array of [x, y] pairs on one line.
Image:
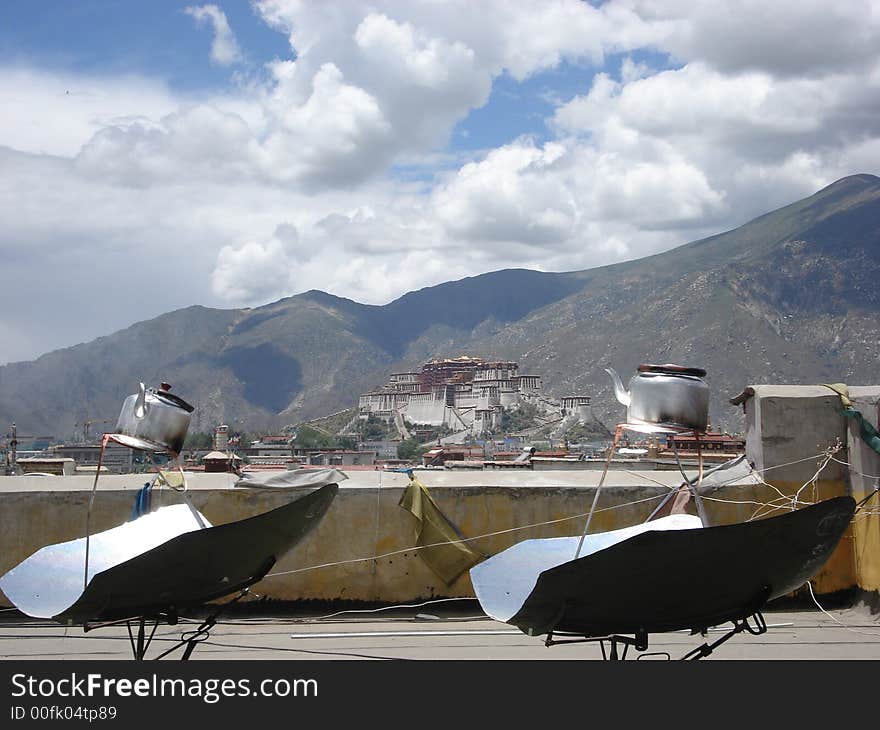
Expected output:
{"points": [[785, 37], [755, 139], [549, 205], [367, 87], [696, 100], [224, 47], [253, 271], [338, 137], [518, 193], [200, 142], [57, 113], [356, 254], [690, 118]]}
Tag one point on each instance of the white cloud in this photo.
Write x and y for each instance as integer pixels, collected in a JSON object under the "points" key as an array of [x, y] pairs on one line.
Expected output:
{"points": [[224, 47], [200, 142], [738, 137], [519, 193], [252, 272], [270, 190], [792, 38], [367, 88], [338, 137], [57, 113], [427, 82]]}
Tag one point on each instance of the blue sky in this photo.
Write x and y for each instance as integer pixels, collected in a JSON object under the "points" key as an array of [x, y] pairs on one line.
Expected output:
{"points": [[238, 152], [157, 38], [522, 107], [130, 36]]}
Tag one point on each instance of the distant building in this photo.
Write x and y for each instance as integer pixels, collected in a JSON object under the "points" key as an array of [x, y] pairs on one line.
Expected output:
{"points": [[117, 459], [221, 437], [217, 461], [441, 454], [578, 405], [460, 393], [712, 442], [59, 466], [336, 457], [385, 450], [269, 447]]}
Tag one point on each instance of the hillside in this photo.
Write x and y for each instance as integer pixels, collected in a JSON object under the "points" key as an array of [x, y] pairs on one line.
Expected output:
{"points": [[788, 297]]}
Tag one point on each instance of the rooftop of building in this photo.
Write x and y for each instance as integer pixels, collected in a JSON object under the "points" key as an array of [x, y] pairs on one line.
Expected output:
{"points": [[219, 455]]}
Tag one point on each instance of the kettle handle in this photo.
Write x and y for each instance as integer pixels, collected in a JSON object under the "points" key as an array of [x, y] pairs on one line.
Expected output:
{"points": [[140, 407]]}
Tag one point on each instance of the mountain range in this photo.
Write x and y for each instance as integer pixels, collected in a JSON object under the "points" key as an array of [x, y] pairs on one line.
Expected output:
{"points": [[790, 297]]}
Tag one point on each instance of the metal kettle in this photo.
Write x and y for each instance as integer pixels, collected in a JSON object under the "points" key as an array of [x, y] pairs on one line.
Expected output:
{"points": [[154, 420], [665, 395]]}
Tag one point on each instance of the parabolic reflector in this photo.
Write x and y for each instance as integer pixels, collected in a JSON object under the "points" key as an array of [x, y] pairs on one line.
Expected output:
{"points": [[661, 580], [504, 581], [51, 579], [159, 563]]}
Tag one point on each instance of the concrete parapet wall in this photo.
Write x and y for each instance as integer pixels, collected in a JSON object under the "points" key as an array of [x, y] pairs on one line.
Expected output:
{"points": [[788, 429], [365, 521], [786, 425], [364, 547], [864, 476]]}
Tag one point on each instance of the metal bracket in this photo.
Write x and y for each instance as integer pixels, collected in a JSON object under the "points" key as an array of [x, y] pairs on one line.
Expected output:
{"points": [[639, 641], [755, 624], [760, 627], [188, 639]]}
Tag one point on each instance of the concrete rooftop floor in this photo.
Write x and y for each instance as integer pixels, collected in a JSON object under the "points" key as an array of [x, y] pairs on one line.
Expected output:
{"points": [[437, 633]]}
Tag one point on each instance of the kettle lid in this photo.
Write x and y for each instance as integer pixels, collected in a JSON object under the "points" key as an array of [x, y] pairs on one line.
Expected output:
{"points": [[170, 399], [671, 369]]}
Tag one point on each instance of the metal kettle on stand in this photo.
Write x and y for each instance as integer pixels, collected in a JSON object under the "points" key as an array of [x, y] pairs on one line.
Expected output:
{"points": [[154, 420], [662, 397]]}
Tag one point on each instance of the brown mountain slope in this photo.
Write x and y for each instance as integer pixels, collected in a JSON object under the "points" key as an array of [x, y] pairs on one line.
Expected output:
{"points": [[788, 297]]}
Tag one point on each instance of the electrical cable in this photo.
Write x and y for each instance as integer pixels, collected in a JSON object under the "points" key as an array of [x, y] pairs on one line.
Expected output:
{"points": [[527, 527]]}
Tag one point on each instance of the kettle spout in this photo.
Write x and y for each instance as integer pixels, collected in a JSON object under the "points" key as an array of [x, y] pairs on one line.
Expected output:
{"points": [[622, 393]]}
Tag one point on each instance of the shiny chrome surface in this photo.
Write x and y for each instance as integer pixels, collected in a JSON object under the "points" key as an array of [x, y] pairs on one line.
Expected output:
{"points": [[51, 580], [154, 420], [503, 582], [685, 579], [137, 443], [197, 567], [664, 398], [289, 479], [159, 564]]}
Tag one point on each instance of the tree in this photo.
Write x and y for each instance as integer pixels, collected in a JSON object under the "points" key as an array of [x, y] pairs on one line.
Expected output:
{"points": [[519, 419], [410, 449], [373, 429], [347, 442], [310, 438], [198, 440]]}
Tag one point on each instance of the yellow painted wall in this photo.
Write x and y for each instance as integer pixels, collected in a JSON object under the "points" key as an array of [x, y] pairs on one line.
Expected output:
{"points": [[839, 573], [363, 523], [866, 542]]}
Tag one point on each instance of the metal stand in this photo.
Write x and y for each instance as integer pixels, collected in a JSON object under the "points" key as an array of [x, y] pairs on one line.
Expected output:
{"points": [[617, 433], [754, 624], [693, 486], [189, 639], [639, 641], [739, 626], [140, 649]]}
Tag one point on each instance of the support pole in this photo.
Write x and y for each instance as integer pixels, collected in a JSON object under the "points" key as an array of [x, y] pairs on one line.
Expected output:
{"points": [[611, 450]]}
